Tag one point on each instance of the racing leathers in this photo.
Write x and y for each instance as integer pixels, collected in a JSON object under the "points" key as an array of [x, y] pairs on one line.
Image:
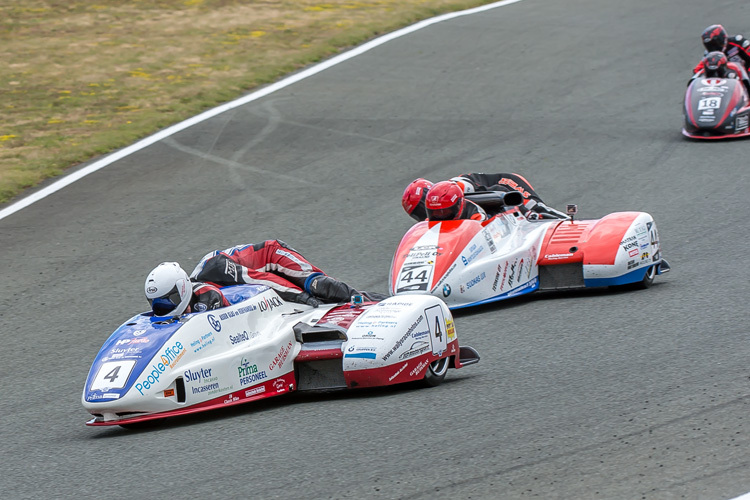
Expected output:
{"points": [[737, 50], [533, 206], [473, 211], [206, 297], [275, 264]]}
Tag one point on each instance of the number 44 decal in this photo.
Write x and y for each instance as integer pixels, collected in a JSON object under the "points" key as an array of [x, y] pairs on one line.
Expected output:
{"points": [[437, 325], [112, 375]]}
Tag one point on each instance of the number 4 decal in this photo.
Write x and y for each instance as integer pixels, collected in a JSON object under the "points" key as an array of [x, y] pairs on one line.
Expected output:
{"points": [[437, 325], [112, 375]]}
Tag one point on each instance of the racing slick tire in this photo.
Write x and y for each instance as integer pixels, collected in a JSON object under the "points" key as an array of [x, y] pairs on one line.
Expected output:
{"points": [[436, 371], [646, 282]]}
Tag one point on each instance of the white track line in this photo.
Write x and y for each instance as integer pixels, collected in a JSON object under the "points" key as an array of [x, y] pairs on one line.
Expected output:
{"points": [[69, 179]]}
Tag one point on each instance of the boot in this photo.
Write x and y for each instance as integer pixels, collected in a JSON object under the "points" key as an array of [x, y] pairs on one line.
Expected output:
{"points": [[331, 290]]}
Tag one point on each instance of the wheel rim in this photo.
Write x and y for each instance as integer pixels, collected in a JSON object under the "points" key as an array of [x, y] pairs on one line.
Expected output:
{"points": [[439, 367]]}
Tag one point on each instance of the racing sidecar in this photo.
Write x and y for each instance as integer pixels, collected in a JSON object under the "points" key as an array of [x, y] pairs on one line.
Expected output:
{"points": [[467, 263], [716, 108], [261, 346]]}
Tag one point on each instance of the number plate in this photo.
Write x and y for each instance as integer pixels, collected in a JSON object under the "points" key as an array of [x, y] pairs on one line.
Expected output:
{"points": [[414, 278]]}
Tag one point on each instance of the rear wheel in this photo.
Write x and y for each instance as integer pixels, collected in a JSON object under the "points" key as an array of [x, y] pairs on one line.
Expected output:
{"points": [[436, 372]]}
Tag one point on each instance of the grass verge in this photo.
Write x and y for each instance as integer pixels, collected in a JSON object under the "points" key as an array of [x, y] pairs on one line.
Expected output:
{"points": [[84, 78]]}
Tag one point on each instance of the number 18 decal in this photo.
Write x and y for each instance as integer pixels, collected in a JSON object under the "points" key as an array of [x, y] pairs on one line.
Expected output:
{"points": [[709, 103], [112, 375]]}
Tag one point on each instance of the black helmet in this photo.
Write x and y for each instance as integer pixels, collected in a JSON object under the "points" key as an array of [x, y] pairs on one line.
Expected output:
{"points": [[715, 38], [715, 65]]}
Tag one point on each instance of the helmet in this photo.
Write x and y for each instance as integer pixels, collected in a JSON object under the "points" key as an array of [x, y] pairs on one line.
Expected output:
{"points": [[445, 201], [168, 289], [715, 38], [715, 65], [413, 198]]}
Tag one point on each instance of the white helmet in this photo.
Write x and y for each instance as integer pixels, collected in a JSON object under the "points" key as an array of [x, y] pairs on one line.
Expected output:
{"points": [[168, 289]]}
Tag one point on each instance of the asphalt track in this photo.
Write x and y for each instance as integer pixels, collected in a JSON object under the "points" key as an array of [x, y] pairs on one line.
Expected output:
{"points": [[595, 395]]}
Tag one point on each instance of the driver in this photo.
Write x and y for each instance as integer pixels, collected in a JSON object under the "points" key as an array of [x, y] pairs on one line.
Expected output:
{"points": [[272, 263], [736, 48], [446, 201], [716, 65]]}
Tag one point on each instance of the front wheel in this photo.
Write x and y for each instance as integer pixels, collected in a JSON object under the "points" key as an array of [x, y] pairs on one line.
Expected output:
{"points": [[436, 372], [648, 279]]}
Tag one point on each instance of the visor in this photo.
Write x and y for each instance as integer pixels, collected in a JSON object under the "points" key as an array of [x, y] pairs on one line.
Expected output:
{"points": [[450, 213], [419, 213], [167, 303]]}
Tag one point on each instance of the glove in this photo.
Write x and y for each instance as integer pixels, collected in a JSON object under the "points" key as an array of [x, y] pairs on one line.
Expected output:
{"points": [[306, 298]]}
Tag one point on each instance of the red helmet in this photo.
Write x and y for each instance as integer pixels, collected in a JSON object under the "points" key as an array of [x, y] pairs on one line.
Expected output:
{"points": [[715, 38], [715, 65], [445, 201], [413, 198]]}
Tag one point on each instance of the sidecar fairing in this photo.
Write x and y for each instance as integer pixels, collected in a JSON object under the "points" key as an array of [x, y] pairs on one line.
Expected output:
{"points": [[262, 346]]}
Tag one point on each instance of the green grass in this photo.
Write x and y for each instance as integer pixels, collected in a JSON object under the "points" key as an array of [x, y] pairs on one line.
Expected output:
{"points": [[83, 78]]}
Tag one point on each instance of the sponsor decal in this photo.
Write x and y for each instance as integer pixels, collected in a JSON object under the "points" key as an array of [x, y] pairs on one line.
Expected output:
{"points": [[141, 340], [361, 355], [169, 393], [490, 241], [168, 359], [106, 395], [203, 341], [644, 256], [512, 273], [255, 390], [238, 312], [450, 270], [557, 256], [281, 356], [269, 304], [633, 252], [446, 290], [450, 330], [476, 280], [497, 277], [243, 336], [416, 349], [741, 122], [417, 369], [398, 372], [124, 352], [633, 264], [249, 373], [279, 385], [214, 322], [137, 333], [474, 250], [399, 342], [212, 387]]}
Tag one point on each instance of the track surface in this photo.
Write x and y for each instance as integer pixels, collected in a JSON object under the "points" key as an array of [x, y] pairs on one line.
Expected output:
{"points": [[595, 395]]}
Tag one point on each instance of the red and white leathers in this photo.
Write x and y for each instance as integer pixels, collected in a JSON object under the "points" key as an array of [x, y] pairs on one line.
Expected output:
{"points": [[275, 264], [272, 263], [508, 182]]}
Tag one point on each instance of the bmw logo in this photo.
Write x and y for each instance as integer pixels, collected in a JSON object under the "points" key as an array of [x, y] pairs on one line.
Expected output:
{"points": [[446, 290]]}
